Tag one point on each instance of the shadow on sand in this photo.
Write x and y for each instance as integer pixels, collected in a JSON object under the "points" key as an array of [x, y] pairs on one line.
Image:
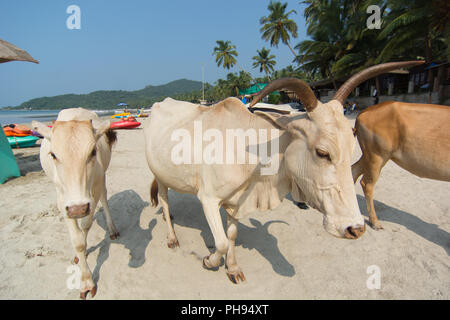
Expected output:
{"points": [[428, 231], [187, 211], [28, 162], [126, 208]]}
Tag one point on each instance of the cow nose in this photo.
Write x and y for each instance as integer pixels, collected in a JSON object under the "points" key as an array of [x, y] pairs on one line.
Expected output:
{"points": [[77, 211], [354, 232]]}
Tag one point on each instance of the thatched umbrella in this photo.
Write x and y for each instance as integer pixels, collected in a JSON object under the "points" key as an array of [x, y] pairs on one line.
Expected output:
{"points": [[8, 164], [9, 52]]}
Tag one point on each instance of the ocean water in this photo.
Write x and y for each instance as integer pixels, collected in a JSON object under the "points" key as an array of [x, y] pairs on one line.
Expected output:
{"points": [[26, 116]]}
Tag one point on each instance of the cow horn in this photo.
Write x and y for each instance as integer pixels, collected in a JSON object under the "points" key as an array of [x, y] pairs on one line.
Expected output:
{"points": [[301, 88], [368, 73]]}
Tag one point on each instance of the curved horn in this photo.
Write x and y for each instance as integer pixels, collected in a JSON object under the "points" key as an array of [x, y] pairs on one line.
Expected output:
{"points": [[368, 73], [300, 87]]}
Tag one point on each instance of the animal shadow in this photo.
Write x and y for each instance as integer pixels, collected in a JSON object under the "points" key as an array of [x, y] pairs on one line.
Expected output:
{"points": [[428, 231], [28, 163], [126, 208], [188, 212]]}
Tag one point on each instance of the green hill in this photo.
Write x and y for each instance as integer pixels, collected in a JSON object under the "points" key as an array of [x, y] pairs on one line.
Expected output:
{"points": [[108, 99]]}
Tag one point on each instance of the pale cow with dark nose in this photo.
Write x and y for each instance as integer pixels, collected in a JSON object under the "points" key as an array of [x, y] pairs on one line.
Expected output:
{"points": [[75, 154], [311, 159]]}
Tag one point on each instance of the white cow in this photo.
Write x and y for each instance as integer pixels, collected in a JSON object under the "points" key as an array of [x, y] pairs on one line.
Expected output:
{"points": [[310, 157], [75, 155]]}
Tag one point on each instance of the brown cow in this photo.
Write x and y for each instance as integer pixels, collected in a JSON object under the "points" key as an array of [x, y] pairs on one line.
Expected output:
{"points": [[415, 136]]}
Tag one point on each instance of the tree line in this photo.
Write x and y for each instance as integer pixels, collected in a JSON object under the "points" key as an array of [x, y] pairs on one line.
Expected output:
{"points": [[340, 42]]}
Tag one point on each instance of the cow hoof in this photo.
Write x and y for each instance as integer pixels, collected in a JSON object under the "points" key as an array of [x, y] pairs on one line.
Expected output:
{"points": [[114, 236], [235, 277], [173, 243], [76, 260], [83, 294], [377, 226], [206, 264], [209, 266]]}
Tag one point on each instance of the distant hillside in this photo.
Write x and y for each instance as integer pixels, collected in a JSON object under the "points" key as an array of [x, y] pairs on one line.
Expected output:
{"points": [[108, 99]]}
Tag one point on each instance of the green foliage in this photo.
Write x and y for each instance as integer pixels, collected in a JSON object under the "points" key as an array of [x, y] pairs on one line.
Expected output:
{"points": [[229, 87], [109, 99], [416, 28], [274, 98], [277, 26], [264, 60], [341, 43], [225, 53]]}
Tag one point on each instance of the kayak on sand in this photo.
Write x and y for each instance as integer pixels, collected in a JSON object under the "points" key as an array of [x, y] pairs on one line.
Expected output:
{"points": [[22, 142], [120, 115], [16, 130], [125, 124]]}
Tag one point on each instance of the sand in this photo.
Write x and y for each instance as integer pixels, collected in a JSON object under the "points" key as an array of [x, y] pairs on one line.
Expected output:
{"points": [[285, 253]]}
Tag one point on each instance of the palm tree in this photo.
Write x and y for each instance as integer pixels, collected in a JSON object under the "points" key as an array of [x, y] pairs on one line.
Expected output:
{"points": [[341, 44], [240, 81], [225, 53], [414, 25], [264, 60], [277, 25]]}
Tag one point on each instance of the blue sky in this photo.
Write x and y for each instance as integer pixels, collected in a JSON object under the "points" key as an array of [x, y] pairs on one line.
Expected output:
{"points": [[126, 45]]}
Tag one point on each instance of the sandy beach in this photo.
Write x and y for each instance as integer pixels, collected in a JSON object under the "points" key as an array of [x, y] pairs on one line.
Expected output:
{"points": [[284, 253]]}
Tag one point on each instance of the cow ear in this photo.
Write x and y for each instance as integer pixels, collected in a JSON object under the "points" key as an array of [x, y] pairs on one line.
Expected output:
{"points": [[280, 121], [42, 129], [100, 127]]}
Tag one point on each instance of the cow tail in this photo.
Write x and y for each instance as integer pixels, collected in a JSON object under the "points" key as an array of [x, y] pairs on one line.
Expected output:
{"points": [[154, 193]]}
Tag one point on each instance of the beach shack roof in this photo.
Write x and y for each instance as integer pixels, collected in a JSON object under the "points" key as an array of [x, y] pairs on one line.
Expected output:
{"points": [[254, 89]]}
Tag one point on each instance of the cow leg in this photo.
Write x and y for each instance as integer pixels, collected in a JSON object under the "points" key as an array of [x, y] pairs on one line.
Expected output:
{"points": [[78, 237], [234, 273], [368, 181], [113, 233], [60, 206], [212, 213], [163, 198], [357, 169]]}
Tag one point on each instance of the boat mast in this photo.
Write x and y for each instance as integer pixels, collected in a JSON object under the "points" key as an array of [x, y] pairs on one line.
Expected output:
{"points": [[203, 82]]}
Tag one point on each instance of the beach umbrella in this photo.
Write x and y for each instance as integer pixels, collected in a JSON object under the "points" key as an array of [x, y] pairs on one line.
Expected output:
{"points": [[9, 52]]}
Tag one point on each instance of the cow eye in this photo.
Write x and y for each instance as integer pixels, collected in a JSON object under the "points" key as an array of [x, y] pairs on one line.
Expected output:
{"points": [[323, 154], [53, 156], [93, 153]]}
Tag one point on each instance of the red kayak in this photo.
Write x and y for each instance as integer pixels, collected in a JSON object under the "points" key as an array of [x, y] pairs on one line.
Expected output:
{"points": [[125, 124]]}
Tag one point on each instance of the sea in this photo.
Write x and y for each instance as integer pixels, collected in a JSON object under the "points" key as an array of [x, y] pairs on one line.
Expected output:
{"points": [[26, 116]]}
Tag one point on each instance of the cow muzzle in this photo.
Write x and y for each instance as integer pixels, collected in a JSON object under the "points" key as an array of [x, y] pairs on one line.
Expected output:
{"points": [[354, 232], [78, 211]]}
